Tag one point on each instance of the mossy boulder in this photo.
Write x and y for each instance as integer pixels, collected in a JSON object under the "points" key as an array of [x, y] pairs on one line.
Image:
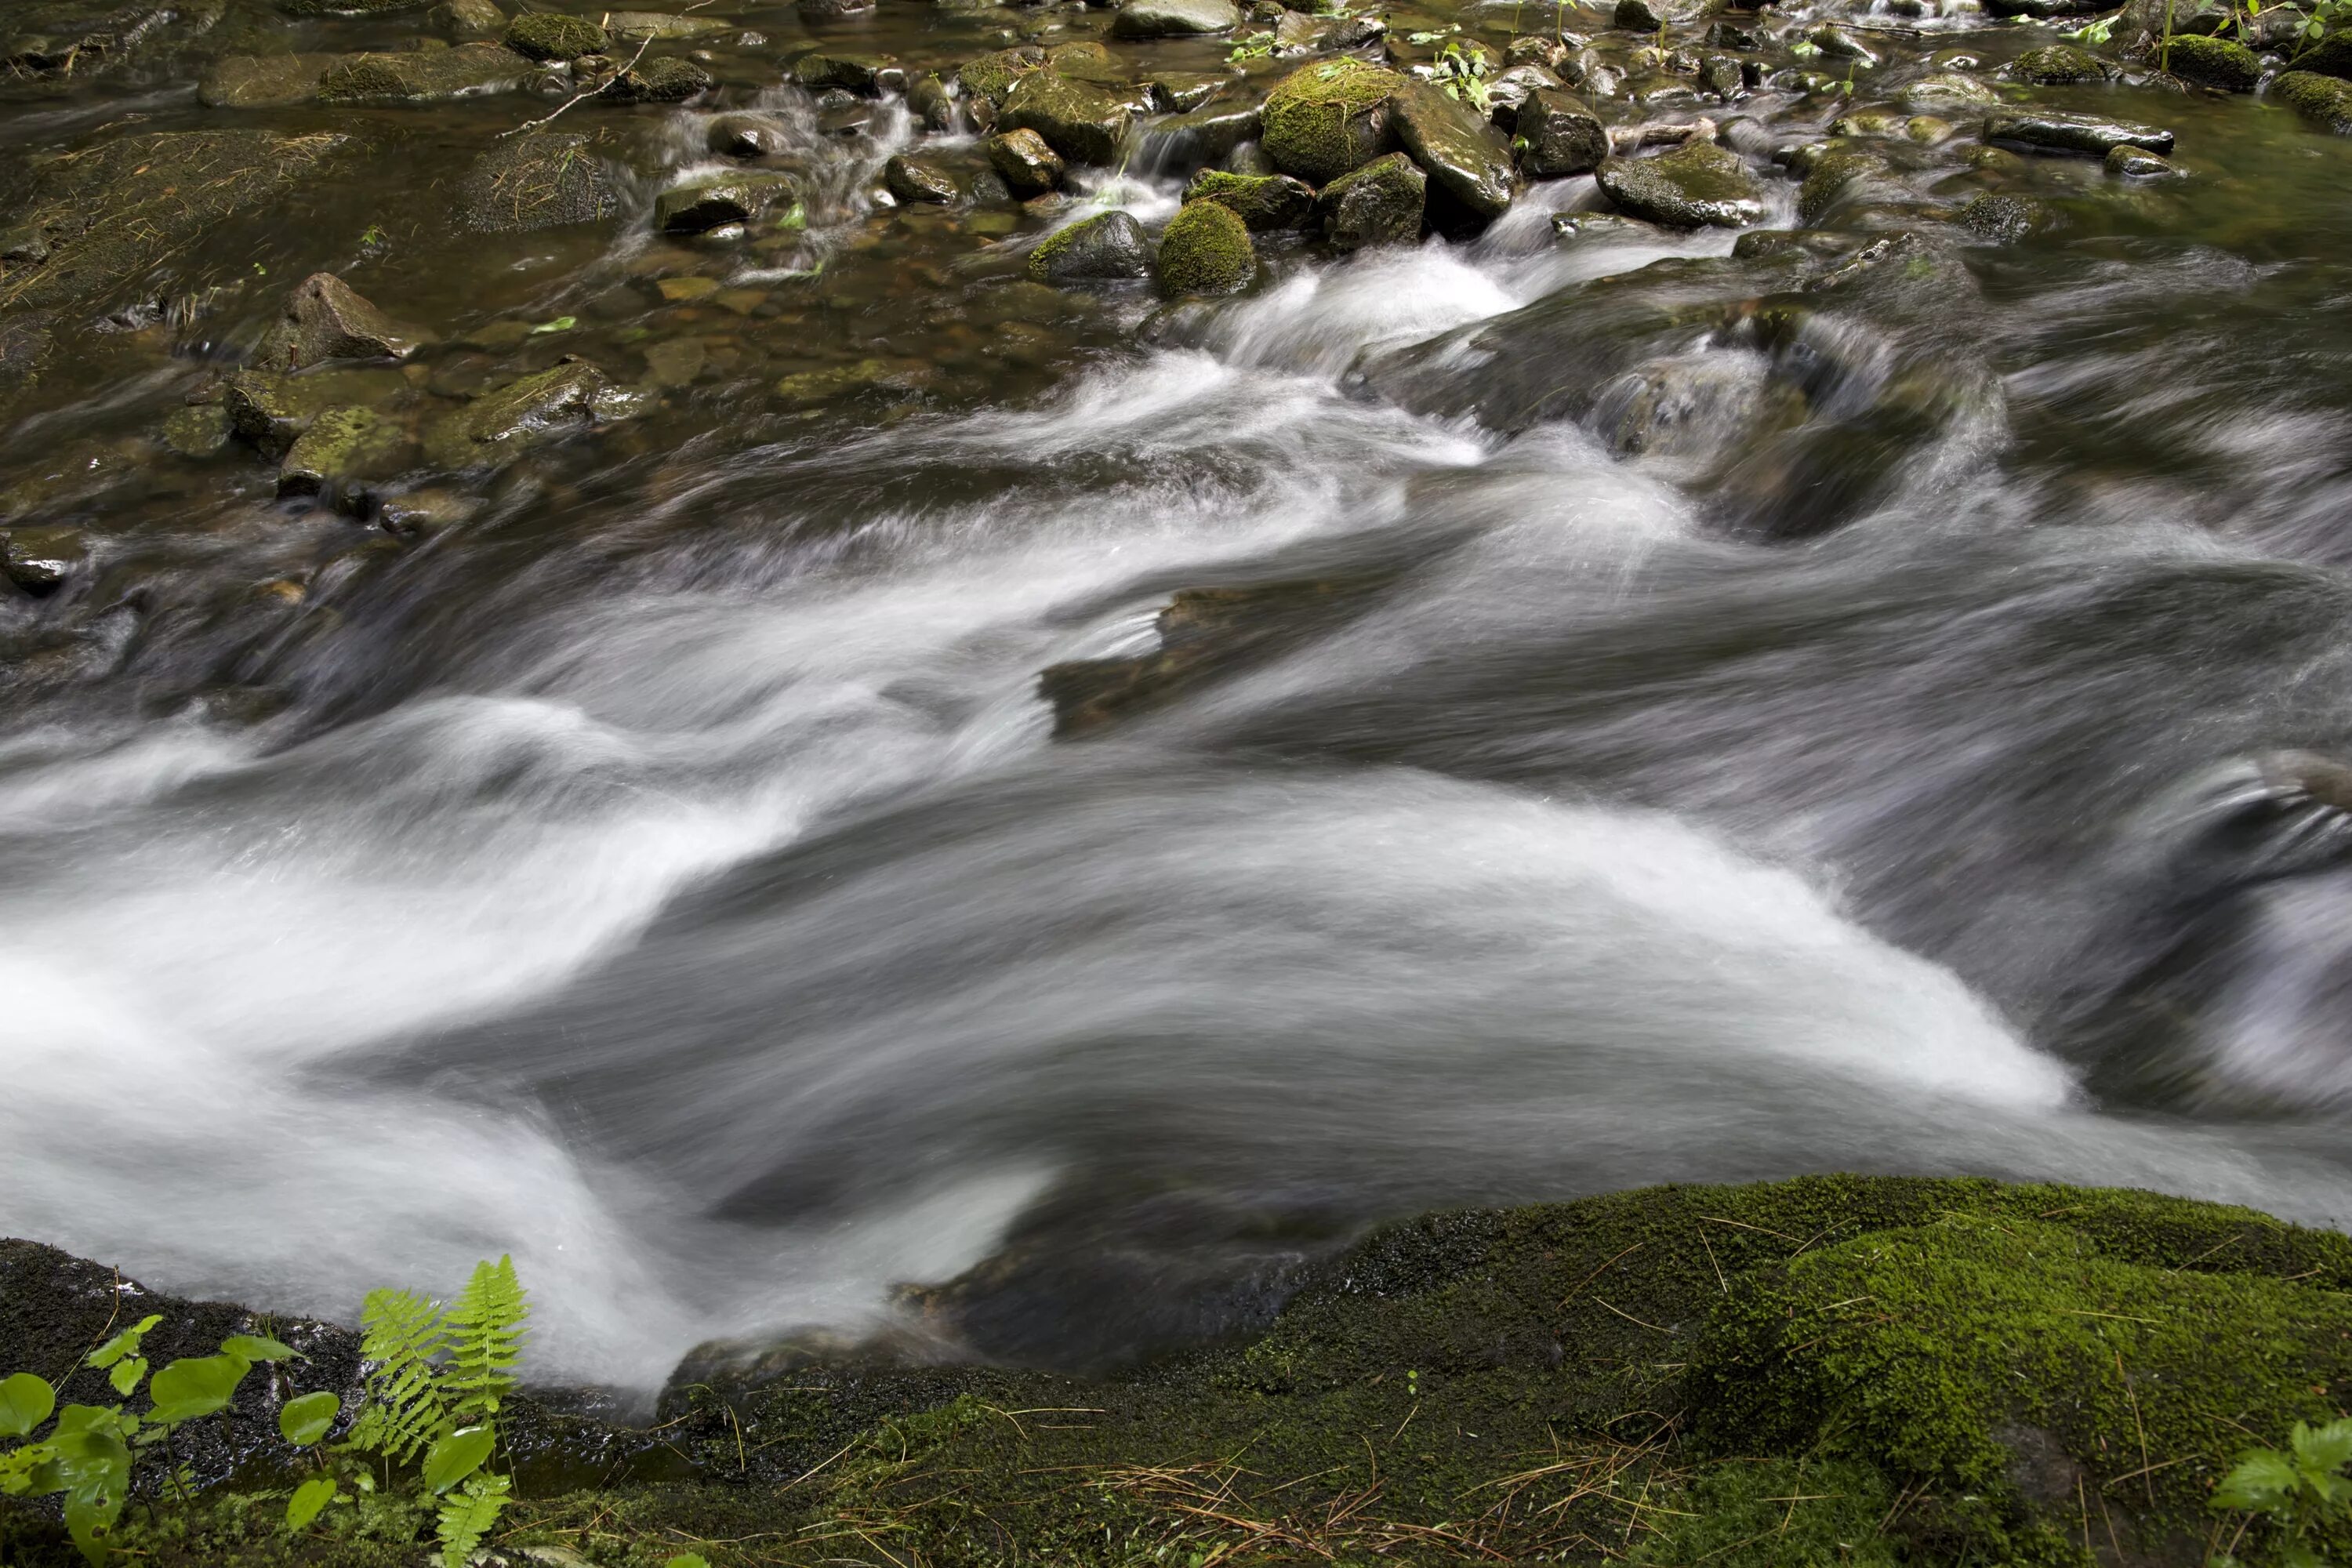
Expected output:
{"points": [[426, 76], [1094, 250], [665, 78], [2060, 64], [1698, 184], [325, 319], [1263, 201], [2325, 100], [2224, 63], [1323, 119], [991, 76], [2331, 56], [1027, 164], [1380, 204], [1206, 250], [263, 81], [1079, 121], [553, 36], [542, 179]]}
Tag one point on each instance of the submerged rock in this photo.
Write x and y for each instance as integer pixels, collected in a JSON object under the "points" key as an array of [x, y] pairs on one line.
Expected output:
{"points": [[2325, 100], [467, 21], [536, 409], [542, 179], [1327, 118], [856, 71], [2138, 163], [1207, 135], [990, 77], [1263, 201], [326, 319], [1460, 151], [1380, 204], [1696, 184], [38, 559], [343, 451], [913, 180], [2056, 131], [1028, 167], [1079, 121], [1206, 250], [663, 79], [263, 81], [1096, 249], [426, 76], [1173, 18], [1559, 136]]}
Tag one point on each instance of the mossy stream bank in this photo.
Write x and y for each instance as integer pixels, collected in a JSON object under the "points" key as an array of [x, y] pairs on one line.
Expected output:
{"points": [[1826, 1370]]}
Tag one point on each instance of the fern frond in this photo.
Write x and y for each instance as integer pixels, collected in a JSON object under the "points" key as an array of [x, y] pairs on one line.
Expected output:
{"points": [[401, 1334], [486, 1334], [467, 1516]]}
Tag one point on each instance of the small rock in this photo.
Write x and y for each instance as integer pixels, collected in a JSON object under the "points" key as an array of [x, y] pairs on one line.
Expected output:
{"points": [[325, 317], [1559, 136], [636, 26], [929, 101], [912, 180], [542, 179], [1460, 151], [1180, 92], [1263, 201], [1638, 16], [991, 76], [2054, 131], [553, 36], [1206, 250], [1722, 34], [198, 431], [1326, 119], [1174, 19], [1077, 120], [2006, 219], [1508, 93], [744, 136], [2138, 163], [1696, 184], [718, 200], [424, 511], [665, 81], [1099, 249], [1027, 164], [535, 409], [1380, 204], [1836, 43], [426, 76], [2060, 64], [467, 21], [676, 362], [2224, 63], [38, 559], [858, 72]]}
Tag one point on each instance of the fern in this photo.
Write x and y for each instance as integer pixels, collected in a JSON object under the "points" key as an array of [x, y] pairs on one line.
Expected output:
{"points": [[467, 1514], [486, 1333], [402, 1333]]}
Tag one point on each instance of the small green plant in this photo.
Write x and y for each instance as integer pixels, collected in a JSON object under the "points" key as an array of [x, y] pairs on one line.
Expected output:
{"points": [[1257, 47], [2097, 32], [1462, 74], [2298, 1490]]}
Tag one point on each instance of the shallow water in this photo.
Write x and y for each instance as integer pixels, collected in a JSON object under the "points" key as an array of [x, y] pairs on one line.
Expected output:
{"points": [[674, 876]]}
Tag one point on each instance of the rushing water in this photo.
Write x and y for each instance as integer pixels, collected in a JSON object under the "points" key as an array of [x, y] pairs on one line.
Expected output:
{"points": [[674, 875]]}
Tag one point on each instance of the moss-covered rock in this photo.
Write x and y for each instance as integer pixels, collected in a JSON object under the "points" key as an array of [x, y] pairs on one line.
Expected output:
{"points": [[523, 413], [1263, 202], [1077, 120], [344, 451], [426, 76], [553, 36], [542, 179], [1329, 117], [852, 71], [1022, 160], [1097, 249], [990, 77], [2060, 64], [263, 81], [467, 21], [1174, 19], [665, 78], [715, 201], [1698, 184], [1206, 250], [2056, 130], [2224, 63], [2325, 100], [1380, 204]]}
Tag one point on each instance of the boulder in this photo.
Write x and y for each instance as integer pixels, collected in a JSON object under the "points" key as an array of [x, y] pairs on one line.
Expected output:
{"points": [[1380, 204], [1095, 250], [1027, 167], [1696, 184], [2060, 64], [852, 71], [1836, 44], [2056, 130], [991, 76], [744, 136], [426, 76], [2223, 63], [1204, 135], [665, 80], [1263, 201], [637, 26], [915, 180], [1174, 19], [1508, 92], [1323, 119], [341, 453], [2137, 163], [1077, 120], [1206, 250], [1558, 135], [2325, 100], [1458, 148], [326, 319], [542, 179], [715, 201], [263, 81], [553, 36], [467, 21], [526, 413]]}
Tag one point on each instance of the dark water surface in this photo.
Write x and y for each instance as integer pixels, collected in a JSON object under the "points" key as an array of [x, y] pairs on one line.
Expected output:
{"points": [[1692, 737]]}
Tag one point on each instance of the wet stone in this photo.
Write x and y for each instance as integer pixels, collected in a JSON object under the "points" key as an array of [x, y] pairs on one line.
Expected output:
{"points": [[2060, 64], [199, 431], [263, 81], [2138, 163], [1263, 201], [326, 319], [991, 76], [1698, 184], [929, 101], [424, 511], [38, 559], [1097, 250], [1025, 164], [2053, 130], [1723, 76], [342, 450], [1180, 92], [542, 179], [676, 363], [553, 36], [1460, 151], [1380, 204], [2325, 100], [1509, 91], [858, 72], [1327, 118], [1173, 18], [668, 80], [1947, 93], [718, 200], [2006, 219], [1558, 135], [637, 26], [1206, 135], [1206, 250], [1836, 43], [1077, 120], [526, 413], [2223, 63], [467, 21], [744, 136], [426, 76], [913, 180]]}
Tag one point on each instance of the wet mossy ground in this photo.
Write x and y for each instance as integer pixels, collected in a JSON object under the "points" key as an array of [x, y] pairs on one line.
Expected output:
{"points": [[1829, 1370]]}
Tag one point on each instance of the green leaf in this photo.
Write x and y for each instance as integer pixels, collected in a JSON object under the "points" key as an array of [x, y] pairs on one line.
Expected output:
{"points": [[26, 1402], [2262, 1482], [688, 1559], [2322, 1450], [486, 1325], [306, 1417], [454, 1458], [795, 217], [401, 1333], [122, 1344], [466, 1517], [125, 1374], [89, 1516], [308, 1500], [196, 1387], [561, 324], [258, 1347]]}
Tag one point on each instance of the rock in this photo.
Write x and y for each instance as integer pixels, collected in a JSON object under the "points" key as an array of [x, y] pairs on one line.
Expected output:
{"points": [[2224, 63], [666, 79], [2150, 19], [271, 410], [1206, 250], [553, 36], [1723, 76], [198, 431], [2136, 163], [1380, 204], [424, 511], [263, 81], [1508, 92], [1696, 184], [1460, 151], [1828, 169], [1836, 43], [1204, 135], [1327, 118], [1946, 92], [677, 361], [326, 319], [1180, 92], [912, 180], [467, 21], [1263, 201], [2042, 10], [38, 559], [717, 200], [744, 136], [929, 101], [852, 71], [1725, 34], [2325, 100], [1558, 135], [2331, 56], [542, 179], [815, 389], [1095, 250], [1638, 16], [991, 76], [340, 453], [1027, 164], [527, 413], [426, 76], [1077, 120], [2060, 64], [2006, 219], [1173, 18], [2056, 131], [637, 26]]}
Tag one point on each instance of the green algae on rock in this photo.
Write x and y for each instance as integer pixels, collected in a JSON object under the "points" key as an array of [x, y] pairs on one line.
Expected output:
{"points": [[2224, 63], [1380, 204], [426, 76], [1096, 249], [1323, 119], [553, 36], [525, 413], [1173, 18], [2325, 100], [1263, 202], [1698, 184], [1077, 120], [1206, 250]]}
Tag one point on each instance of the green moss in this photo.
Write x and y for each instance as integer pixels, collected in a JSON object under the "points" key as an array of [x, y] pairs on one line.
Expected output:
{"points": [[1775, 1513], [991, 76], [2060, 64], [552, 35], [1206, 250], [2224, 63], [1323, 120], [1262, 201]]}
